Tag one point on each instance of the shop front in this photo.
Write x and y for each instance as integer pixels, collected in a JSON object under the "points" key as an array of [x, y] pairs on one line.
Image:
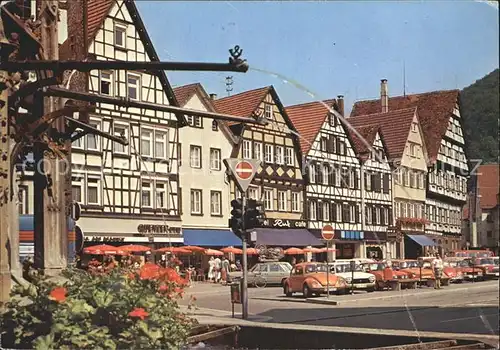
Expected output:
{"points": [[284, 233], [120, 231]]}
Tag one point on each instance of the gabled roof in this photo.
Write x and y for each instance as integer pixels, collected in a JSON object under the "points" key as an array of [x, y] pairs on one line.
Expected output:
{"points": [[488, 183], [368, 134], [243, 104], [184, 93], [308, 119], [98, 10], [394, 125], [434, 112]]}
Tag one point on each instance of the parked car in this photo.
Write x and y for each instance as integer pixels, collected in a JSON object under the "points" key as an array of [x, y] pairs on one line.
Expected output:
{"points": [[265, 273], [487, 265], [384, 275], [463, 265], [311, 278], [362, 280], [412, 269]]}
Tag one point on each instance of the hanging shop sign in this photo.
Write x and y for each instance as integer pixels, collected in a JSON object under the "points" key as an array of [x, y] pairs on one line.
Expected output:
{"points": [[161, 229], [104, 239], [283, 223]]}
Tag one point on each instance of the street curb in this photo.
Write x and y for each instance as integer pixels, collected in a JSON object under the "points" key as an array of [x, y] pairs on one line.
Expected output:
{"points": [[322, 301]]}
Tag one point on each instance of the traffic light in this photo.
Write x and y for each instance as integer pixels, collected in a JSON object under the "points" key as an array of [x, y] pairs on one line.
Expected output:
{"points": [[236, 221], [254, 214]]}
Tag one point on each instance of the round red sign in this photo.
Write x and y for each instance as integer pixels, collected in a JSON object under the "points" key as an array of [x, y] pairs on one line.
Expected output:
{"points": [[328, 232], [244, 170]]}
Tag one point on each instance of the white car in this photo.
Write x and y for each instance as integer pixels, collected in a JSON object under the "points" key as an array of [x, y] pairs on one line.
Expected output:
{"points": [[362, 280]]}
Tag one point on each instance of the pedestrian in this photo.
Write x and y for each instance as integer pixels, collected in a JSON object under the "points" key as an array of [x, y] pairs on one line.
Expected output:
{"points": [[238, 266], [437, 264], [211, 267], [225, 269], [294, 260], [217, 269]]}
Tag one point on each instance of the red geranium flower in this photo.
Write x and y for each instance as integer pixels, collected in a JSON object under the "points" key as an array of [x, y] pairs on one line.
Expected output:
{"points": [[163, 288], [138, 312], [58, 294]]}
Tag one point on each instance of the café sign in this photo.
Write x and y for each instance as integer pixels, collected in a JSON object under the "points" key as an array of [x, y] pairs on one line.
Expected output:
{"points": [[104, 239], [284, 223], [145, 229]]}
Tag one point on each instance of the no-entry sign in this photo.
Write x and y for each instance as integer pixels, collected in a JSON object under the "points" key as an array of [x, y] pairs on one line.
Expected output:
{"points": [[328, 232], [243, 171]]}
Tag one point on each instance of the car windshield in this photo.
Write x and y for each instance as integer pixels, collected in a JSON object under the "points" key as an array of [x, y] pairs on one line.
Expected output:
{"points": [[286, 266], [408, 264], [463, 263], [313, 268], [486, 262], [347, 268], [375, 267]]}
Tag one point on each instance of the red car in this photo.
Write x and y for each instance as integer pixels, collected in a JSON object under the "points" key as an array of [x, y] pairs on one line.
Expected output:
{"points": [[487, 266]]}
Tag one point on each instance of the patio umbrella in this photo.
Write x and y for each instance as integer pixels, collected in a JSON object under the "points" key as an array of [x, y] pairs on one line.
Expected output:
{"points": [[213, 252], [104, 249], [312, 250], [324, 250], [294, 251], [232, 250], [193, 248], [174, 250], [252, 251], [134, 248]]}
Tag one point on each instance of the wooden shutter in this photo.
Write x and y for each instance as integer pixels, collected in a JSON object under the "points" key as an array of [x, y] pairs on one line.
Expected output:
{"points": [[357, 213], [378, 181], [318, 173], [356, 179], [333, 211], [386, 183], [374, 216], [382, 216], [337, 145], [329, 143], [345, 212], [319, 211], [373, 181], [334, 175]]}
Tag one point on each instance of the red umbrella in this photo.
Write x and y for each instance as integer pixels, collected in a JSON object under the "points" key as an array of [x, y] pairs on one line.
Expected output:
{"points": [[213, 252], [104, 249], [324, 250], [174, 250], [232, 250], [193, 248], [252, 251], [294, 251], [134, 248], [312, 250]]}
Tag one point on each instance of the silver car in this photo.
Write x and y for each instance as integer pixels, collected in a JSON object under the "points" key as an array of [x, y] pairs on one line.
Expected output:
{"points": [[265, 273]]}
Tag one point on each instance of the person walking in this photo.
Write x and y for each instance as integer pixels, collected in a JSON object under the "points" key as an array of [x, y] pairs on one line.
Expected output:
{"points": [[211, 268], [218, 266], [225, 270], [437, 265]]}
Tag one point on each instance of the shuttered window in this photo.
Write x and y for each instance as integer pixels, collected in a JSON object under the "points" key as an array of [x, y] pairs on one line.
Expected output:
{"points": [[382, 216], [386, 183], [346, 213]]}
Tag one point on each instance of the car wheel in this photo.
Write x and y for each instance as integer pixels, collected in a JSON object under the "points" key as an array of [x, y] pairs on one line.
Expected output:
{"points": [[371, 290], [306, 291], [287, 291]]}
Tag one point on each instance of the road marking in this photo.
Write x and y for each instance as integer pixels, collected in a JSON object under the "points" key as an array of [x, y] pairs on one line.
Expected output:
{"points": [[467, 318]]}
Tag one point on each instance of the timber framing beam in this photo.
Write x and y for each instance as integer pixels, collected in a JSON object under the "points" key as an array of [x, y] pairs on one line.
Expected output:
{"points": [[125, 102]]}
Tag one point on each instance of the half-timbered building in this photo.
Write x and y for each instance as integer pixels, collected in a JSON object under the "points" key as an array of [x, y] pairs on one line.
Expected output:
{"points": [[376, 189], [279, 183], [439, 117], [127, 193], [203, 180], [333, 195]]}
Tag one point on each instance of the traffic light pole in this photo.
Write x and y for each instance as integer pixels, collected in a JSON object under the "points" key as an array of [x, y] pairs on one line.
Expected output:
{"points": [[244, 287]]}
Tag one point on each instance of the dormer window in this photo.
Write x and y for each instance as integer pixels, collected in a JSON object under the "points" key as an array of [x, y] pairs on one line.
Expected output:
{"points": [[332, 120], [120, 35]]}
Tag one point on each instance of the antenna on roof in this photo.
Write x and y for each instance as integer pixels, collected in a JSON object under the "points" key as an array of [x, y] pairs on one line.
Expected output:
{"points": [[229, 85], [404, 78]]}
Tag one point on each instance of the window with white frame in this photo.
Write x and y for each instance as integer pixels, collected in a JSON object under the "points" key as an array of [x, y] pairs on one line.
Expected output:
{"points": [[268, 199], [413, 150], [194, 121], [325, 172], [146, 194], [312, 173], [296, 201], [215, 159], [120, 131], [268, 111], [338, 211], [161, 144], [323, 144], [215, 125], [257, 150], [411, 210], [352, 213], [280, 156], [161, 195], [196, 204], [253, 193], [23, 207], [414, 127], [332, 120], [268, 153], [93, 141], [147, 142], [282, 200], [377, 215], [106, 83], [352, 178], [313, 207], [215, 203], [247, 149], [368, 181], [76, 191], [289, 156], [120, 35], [93, 190], [133, 87], [78, 143], [385, 211], [195, 157], [404, 212], [326, 211], [368, 215]]}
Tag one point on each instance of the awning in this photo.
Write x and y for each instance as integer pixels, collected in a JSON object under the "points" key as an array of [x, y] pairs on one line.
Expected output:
{"points": [[287, 237], [210, 238], [423, 240]]}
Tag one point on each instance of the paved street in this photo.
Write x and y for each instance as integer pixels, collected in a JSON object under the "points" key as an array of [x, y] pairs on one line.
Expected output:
{"points": [[464, 308]]}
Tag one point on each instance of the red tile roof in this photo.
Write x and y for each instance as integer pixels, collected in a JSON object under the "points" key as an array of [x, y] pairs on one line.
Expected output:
{"points": [[488, 183], [243, 104], [184, 93], [308, 119], [368, 133], [434, 111], [394, 125]]}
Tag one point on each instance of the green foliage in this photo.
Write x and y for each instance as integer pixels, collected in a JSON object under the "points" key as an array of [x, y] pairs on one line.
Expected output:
{"points": [[118, 310], [479, 104]]}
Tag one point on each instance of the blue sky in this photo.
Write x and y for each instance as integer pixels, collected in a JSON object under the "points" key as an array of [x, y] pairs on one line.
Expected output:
{"points": [[331, 48]]}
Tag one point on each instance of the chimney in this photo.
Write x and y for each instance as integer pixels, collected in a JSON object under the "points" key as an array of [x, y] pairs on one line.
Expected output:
{"points": [[213, 97], [384, 96], [340, 104]]}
